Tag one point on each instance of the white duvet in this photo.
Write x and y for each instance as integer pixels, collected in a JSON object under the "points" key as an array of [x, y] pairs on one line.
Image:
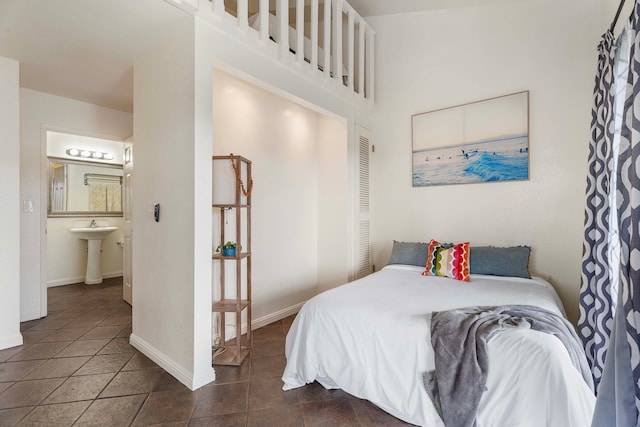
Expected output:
{"points": [[371, 338]]}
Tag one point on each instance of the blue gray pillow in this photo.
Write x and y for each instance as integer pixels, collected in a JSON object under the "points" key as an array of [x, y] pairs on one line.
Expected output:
{"points": [[409, 253], [513, 261]]}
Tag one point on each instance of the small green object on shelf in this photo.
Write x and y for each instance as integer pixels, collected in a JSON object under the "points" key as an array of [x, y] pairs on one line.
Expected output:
{"points": [[228, 249]]}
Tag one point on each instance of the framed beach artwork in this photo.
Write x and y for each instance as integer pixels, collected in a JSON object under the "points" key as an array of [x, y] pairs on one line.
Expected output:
{"points": [[484, 141]]}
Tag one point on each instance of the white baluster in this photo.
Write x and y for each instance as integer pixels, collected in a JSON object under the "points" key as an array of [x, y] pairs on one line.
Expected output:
{"points": [[314, 34], [350, 48], [282, 15], [300, 31], [264, 20], [218, 8], [361, 50], [327, 39], [243, 15], [337, 40], [370, 61]]}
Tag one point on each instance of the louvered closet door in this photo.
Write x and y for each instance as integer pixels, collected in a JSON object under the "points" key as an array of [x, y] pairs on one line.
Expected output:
{"points": [[363, 229]]}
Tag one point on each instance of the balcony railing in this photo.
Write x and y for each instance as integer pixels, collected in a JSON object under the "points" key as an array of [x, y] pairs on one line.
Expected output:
{"points": [[328, 37]]}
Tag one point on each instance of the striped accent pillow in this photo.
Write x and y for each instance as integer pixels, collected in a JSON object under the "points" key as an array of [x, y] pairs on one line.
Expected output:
{"points": [[452, 262]]}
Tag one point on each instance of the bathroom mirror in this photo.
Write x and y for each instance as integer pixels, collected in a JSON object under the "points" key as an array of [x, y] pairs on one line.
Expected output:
{"points": [[79, 188]]}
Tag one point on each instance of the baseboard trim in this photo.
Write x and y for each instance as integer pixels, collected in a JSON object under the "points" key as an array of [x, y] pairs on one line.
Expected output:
{"points": [[264, 320], [11, 341], [30, 316], [79, 279], [165, 362], [273, 317]]}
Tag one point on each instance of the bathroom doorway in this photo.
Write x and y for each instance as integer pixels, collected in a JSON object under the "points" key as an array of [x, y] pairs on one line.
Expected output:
{"points": [[85, 189]]}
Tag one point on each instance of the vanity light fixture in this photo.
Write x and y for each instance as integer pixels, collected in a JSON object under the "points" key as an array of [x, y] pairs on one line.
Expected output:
{"points": [[76, 152]]}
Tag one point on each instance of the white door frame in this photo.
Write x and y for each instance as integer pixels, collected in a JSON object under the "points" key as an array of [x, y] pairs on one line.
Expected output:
{"points": [[127, 232]]}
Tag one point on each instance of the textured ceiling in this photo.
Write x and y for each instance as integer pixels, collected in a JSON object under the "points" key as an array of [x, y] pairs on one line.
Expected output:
{"points": [[85, 49]]}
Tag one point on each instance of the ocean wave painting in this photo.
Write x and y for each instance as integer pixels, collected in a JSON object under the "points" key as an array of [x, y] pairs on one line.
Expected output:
{"points": [[506, 159], [485, 141]]}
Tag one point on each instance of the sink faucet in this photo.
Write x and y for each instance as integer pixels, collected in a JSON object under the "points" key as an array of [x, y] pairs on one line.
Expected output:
{"points": [[93, 224]]}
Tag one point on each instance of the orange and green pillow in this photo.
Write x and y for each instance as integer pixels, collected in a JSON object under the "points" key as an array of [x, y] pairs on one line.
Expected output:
{"points": [[448, 261]]}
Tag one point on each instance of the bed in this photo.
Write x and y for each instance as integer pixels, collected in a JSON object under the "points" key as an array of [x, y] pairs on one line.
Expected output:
{"points": [[371, 338]]}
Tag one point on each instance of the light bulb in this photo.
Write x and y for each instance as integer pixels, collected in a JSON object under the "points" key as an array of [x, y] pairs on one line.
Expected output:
{"points": [[96, 155], [73, 152], [85, 153]]}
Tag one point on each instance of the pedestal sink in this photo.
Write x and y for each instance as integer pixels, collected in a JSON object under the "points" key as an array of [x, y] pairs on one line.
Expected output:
{"points": [[93, 236]]}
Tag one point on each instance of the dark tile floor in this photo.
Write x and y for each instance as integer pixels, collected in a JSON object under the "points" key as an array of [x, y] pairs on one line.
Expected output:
{"points": [[76, 367]]}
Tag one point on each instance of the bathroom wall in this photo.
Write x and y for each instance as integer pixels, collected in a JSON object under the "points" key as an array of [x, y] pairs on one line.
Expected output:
{"points": [[67, 255], [39, 112]]}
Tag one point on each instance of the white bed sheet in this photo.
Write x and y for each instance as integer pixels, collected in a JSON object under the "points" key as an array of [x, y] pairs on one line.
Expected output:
{"points": [[371, 338]]}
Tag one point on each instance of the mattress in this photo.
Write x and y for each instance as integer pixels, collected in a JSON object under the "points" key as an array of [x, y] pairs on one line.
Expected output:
{"points": [[371, 338]]}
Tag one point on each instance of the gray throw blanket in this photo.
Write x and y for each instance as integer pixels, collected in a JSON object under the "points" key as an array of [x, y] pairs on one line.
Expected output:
{"points": [[459, 338]]}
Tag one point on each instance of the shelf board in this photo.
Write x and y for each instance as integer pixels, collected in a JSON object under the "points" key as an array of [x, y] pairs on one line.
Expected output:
{"points": [[230, 205], [231, 157], [229, 356], [230, 305], [242, 255]]}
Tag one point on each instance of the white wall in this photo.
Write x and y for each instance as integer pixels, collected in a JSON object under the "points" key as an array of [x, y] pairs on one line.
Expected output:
{"points": [[39, 112], [215, 49], [165, 254], [437, 59], [10, 201], [67, 254], [333, 203], [299, 197]]}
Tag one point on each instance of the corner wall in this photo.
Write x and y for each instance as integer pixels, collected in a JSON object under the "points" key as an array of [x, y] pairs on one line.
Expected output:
{"points": [[299, 218], [171, 270], [437, 59], [216, 49], [10, 201]]}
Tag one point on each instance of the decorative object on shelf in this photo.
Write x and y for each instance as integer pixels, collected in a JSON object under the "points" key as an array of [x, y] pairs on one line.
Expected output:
{"points": [[483, 141], [236, 171], [232, 304], [228, 249]]}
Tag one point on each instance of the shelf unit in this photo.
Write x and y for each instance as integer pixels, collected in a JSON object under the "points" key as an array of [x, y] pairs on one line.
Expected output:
{"points": [[238, 212]]}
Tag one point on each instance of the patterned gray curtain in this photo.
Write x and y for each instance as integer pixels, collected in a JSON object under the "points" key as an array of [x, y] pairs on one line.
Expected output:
{"points": [[618, 402], [594, 325], [628, 194]]}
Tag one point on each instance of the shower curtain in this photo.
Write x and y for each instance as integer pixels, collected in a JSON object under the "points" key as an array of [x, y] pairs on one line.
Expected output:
{"points": [[609, 322]]}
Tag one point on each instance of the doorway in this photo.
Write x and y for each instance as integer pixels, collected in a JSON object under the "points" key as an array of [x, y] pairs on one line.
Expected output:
{"points": [[87, 191]]}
